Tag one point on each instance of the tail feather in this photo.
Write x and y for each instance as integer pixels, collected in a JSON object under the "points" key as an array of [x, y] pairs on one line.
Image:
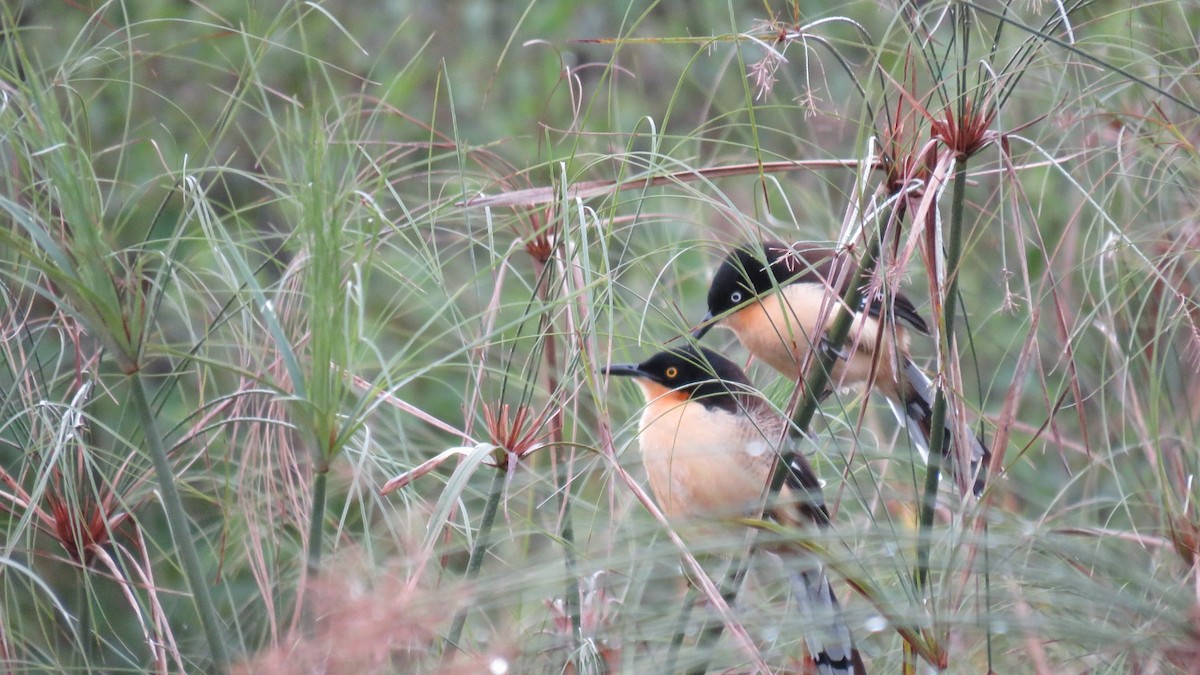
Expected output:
{"points": [[805, 494], [829, 641], [828, 637], [918, 410]]}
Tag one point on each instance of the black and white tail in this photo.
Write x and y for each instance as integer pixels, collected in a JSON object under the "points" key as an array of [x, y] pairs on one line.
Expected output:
{"points": [[829, 641], [828, 637], [918, 410]]}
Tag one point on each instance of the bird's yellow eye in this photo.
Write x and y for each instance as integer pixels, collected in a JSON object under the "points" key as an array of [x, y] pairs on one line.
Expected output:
{"points": [[672, 372]]}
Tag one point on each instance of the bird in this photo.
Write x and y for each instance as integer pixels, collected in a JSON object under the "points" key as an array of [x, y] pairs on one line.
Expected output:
{"points": [[709, 443], [778, 299]]}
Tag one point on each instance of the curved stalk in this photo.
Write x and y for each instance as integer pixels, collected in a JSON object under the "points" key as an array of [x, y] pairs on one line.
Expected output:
{"points": [[731, 584], [571, 600], [482, 539], [87, 635], [685, 613], [181, 531]]}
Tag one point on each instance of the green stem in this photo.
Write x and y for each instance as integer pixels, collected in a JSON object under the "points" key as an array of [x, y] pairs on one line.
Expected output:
{"points": [[937, 420], [571, 592], [933, 476], [482, 539], [731, 584], [86, 633], [316, 521], [987, 597], [571, 599], [685, 613], [181, 531]]}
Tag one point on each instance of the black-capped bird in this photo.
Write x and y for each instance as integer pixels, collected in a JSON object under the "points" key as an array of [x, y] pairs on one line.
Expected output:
{"points": [[779, 299], [709, 442]]}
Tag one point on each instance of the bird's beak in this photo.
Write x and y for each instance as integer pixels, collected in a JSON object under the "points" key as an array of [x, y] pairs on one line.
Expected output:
{"points": [[706, 325], [625, 369]]}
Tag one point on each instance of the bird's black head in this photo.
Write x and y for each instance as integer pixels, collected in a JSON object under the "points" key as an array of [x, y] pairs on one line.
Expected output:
{"points": [[747, 274], [701, 374]]}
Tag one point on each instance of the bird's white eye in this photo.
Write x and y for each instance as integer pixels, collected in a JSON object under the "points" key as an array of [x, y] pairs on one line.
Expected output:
{"points": [[735, 297]]}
